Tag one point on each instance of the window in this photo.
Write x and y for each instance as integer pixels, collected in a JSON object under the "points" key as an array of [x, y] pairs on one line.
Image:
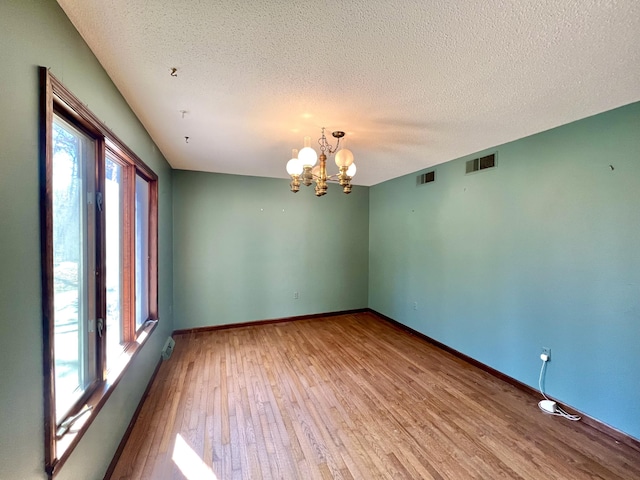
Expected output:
{"points": [[99, 263], [114, 188], [142, 250], [74, 261]]}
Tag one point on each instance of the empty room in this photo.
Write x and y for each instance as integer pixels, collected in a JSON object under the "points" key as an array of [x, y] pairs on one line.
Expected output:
{"points": [[319, 240]]}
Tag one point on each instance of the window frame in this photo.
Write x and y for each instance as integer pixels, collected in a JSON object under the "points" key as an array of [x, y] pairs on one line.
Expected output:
{"points": [[57, 99], [93, 238], [125, 157], [152, 298]]}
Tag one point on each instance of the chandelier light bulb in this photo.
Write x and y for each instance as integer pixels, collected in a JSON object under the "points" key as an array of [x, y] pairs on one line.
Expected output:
{"points": [[351, 171], [307, 156], [344, 158], [294, 166]]}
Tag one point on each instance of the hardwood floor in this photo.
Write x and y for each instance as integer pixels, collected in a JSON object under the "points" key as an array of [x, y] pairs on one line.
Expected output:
{"points": [[349, 397]]}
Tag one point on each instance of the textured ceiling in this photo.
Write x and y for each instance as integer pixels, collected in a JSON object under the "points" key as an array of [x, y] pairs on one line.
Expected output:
{"points": [[414, 83]]}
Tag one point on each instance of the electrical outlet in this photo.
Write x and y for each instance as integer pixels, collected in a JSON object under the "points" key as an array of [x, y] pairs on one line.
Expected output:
{"points": [[415, 305], [547, 351], [296, 295]]}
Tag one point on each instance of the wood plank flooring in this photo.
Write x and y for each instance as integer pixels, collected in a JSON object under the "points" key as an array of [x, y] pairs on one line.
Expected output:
{"points": [[349, 397]]}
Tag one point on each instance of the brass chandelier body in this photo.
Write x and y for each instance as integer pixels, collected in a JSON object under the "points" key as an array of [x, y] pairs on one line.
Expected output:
{"points": [[302, 170]]}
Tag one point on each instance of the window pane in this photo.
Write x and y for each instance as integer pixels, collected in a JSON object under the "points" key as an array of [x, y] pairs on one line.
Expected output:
{"points": [[114, 206], [142, 251], [73, 264]]}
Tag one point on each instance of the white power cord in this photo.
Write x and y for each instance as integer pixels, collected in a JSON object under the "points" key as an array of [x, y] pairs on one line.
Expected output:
{"points": [[547, 405]]}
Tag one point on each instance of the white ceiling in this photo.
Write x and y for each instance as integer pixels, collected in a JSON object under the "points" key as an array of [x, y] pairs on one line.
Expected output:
{"points": [[414, 83]]}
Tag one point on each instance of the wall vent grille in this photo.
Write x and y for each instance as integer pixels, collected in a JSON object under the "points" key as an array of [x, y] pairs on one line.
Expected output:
{"points": [[426, 178], [481, 163]]}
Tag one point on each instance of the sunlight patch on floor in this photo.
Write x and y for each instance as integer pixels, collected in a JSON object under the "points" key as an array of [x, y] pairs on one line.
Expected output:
{"points": [[189, 463]]}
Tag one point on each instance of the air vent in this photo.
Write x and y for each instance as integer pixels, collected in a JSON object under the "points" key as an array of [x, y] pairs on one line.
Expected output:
{"points": [[426, 177], [481, 163]]}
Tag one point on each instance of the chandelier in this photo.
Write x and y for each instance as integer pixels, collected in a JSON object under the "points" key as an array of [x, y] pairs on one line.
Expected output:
{"points": [[302, 166]]}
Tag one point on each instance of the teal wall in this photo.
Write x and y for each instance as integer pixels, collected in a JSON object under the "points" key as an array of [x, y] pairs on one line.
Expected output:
{"points": [[244, 245], [36, 33], [543, 250]]}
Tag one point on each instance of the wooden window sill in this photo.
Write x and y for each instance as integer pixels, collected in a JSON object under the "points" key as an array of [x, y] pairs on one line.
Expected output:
{"points": [[68, 441]]}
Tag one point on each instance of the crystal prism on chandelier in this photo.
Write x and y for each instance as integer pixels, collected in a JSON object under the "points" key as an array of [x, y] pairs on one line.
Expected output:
{"points": [[303, 169]]}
